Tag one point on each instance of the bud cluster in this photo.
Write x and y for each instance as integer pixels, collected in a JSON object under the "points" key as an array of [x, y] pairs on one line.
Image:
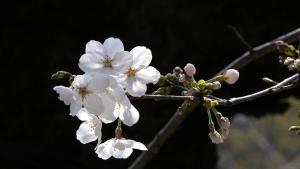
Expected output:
{"points": [[289, 55]]}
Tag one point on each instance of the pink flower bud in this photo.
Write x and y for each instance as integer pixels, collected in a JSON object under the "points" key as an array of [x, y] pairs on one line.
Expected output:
{"points": [[279, 43], [190, 69], [182, 78], [216, 85], [231, 76], [215, 137], [224, 122], [224, 132], [288, 61]]}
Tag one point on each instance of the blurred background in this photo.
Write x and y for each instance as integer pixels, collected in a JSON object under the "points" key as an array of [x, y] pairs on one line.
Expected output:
{"points": [[39, 38]]}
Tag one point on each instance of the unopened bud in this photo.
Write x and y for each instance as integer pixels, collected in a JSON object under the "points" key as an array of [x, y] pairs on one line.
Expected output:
{"points": [[177, 70], [288, 61], [231, 76], [215, 137], [216, 85], [224, 132], [190, 69], [61, 75]]}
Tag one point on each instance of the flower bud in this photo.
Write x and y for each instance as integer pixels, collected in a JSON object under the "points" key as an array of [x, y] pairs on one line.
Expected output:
{"points": [[177, 70], [216, 85], [279, 43], [297, 62], [224, 122], [182, 78], [224, 132], [215, 137], [190, 69], [288, 61], [231, 76]]}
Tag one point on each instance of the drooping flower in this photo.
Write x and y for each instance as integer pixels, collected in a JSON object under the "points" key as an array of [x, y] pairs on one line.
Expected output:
{"points": [[139, 73], [190, 69], [90, 128], [231, 76], [108, 58], [120, 148], [215, 137]]}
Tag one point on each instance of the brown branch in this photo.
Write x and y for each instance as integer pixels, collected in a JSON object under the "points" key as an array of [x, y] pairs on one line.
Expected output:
{"points": [[173, 123], [163, 97], [161, 137], [260, 51], [286, 84]]}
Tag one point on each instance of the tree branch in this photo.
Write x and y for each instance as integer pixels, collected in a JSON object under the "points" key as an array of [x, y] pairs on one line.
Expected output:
{"points": [[163, 97], [288, 83], [241, 38], [175, 121], [260, 51]]}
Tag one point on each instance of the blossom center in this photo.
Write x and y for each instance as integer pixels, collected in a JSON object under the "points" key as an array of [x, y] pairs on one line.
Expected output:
{"points": [[107, 62], [83, 92], [131, 72], [92, 124]]}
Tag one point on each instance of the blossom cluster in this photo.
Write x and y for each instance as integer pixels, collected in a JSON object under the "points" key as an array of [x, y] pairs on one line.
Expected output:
{"points": [[100, 95]]}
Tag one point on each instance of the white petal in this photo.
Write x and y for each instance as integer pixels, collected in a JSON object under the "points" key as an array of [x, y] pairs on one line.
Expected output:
{"points": [[75, 108], [86, 134], [122, 154], [148, 75], [98, 83], [139, 146], [130, 117], [141, 57], [103, 150], [113, 46], [65, 94], [93, 104], [122, 61], [108, 114], [84, 115], [94, 47], [135, 87], [90, 62], [81, 81]]}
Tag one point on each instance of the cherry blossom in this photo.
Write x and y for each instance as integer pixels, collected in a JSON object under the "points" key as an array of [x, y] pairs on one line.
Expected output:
{"points": [[120, 148], [139, 73]]}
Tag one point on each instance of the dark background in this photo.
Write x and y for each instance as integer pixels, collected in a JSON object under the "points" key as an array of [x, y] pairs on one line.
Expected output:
{"points": [[40, 37]]}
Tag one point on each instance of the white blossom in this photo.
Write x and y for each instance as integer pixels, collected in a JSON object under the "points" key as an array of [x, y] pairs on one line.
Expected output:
{"points": [[84, 93], [139, 73], [108, 58], [90, 128], [118, 148]]}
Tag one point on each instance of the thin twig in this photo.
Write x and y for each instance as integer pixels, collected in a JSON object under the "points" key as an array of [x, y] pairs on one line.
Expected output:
{"points": [[288, 83], [163, 97], [173, 123], [260, 51], [241, 38]]}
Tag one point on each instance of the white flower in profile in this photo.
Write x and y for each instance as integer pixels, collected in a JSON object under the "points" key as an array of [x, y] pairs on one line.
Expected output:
{"points": [[215, 137], [231, 76], [117, 105], [140, 73], [90, 128], [120, 148], [84, 93], [108, 58]]}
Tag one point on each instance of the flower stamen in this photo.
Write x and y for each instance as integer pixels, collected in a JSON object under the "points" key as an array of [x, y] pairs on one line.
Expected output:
{"points": [[107, 62], [83, 92], [131, 72]]}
